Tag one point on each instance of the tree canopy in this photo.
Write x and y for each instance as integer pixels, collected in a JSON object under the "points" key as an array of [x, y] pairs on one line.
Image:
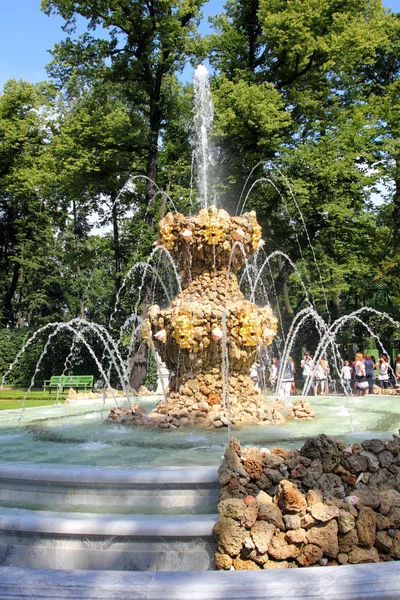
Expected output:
{"points": [[306, 132]]}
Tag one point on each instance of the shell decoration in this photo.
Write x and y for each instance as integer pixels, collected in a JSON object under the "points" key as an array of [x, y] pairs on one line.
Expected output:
{"points": [[161, 336], [187, 235], [217, 334]]}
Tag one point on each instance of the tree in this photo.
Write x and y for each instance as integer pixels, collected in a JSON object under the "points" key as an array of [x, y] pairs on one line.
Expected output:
{"points": [[142, 46], [26, 225], [316, 62]]}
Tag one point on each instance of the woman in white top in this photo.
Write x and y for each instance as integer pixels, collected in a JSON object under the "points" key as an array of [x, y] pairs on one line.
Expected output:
{"points": [[307, 364], [383, 375], [321, 375], [346, 376], [362, 385], [273, 374]]}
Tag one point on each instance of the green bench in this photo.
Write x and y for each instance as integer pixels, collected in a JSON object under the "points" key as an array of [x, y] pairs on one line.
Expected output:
{"points": [[69, 381]]}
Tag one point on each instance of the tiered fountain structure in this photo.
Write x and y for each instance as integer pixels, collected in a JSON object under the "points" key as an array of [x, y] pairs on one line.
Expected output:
{"points": [[211, 315], [210, 335]]}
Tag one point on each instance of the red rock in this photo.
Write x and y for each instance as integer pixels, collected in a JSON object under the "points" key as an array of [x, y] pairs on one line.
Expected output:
{"points": [[366, 527]]}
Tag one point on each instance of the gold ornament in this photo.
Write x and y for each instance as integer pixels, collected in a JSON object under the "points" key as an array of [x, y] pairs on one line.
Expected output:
{"points": [[183, 331], [146, 333], [256, 235], [167, 237], [214, 232], [250, 330]]}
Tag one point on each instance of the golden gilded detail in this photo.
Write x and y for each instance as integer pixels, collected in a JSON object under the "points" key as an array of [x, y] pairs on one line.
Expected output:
{"points": [[146, 333], [257, 232], [250, 330], [214, 232], [183, 331], [167, 238]]}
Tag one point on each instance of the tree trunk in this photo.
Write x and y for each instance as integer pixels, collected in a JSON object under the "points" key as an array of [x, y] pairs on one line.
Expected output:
{"points": [[117, 249], [396, 201], [7, 318], [21, 321], [283, 274], [140, 355], [285, 288], [78, 266]]}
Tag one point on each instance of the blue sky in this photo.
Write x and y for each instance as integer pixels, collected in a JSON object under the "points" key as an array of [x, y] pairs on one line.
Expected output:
{"points": [[26, 35]]}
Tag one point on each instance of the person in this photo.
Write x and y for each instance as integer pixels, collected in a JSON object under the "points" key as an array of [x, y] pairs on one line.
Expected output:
{"points": [[383, 375], [345, 376], [307, 365], [321, 375], [254, 374], [273, 373], [287, 378], [369, 365], [362, 385], [397, 370]]}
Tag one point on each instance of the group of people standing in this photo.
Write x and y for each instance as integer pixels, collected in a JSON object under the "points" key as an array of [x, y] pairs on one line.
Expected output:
{"points": [[315, 377], [362, 373], [358, 377]]}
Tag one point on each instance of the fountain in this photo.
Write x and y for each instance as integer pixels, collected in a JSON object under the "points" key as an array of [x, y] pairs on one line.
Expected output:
{"points": [[209, 315], [71, 497]]}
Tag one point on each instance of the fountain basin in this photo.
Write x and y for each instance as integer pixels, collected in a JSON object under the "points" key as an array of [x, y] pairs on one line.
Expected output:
{"points": [[59, 540], [95, 489], [351, 582], [77, 435]]}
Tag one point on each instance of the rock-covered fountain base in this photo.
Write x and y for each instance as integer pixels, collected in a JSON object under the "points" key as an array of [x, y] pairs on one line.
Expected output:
{"points": [[210, 335], [195, 410]]}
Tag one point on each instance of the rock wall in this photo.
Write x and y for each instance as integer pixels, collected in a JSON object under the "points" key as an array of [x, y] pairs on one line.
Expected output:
{"points": [[326, 504]]}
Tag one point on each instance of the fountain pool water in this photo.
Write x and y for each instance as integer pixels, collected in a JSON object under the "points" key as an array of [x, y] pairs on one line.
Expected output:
{"points": [[78, 435]]}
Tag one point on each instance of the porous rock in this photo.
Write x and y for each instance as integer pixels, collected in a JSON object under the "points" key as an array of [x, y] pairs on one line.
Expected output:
{"points": [[271, 514], [232, 507], [290, 499], [310, 555], [324, 448], [223, 561], [245, 565], [363, 555], [325, 535], [366, 527], [229, 535], [322, 512], [262, 533], [280, 549]]}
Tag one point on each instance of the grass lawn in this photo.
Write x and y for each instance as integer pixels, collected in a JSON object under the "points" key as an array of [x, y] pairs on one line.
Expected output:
{"points": [[11, 404], [10, 399]]}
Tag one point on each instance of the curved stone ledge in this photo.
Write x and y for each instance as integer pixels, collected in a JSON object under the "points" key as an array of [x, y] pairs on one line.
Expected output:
{"points": [[105, 489], [40, 539], [86, 524], [104, 475], [350, 582]]}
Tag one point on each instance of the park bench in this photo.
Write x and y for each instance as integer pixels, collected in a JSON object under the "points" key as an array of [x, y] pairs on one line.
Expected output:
{"points": [[69, 381]]}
